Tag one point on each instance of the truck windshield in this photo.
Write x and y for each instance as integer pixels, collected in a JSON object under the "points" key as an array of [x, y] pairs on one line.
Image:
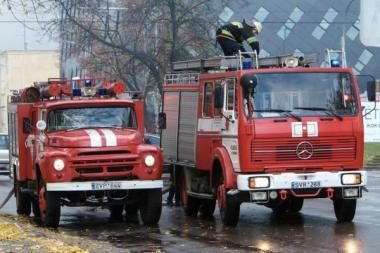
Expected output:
{"points": [[303, 94], [91, 117]]}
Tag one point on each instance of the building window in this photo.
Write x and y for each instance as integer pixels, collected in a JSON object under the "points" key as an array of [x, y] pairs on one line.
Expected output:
{"points": [[226, 14], [290, 23], [296, 15], [352, 33], [328, 18], [365, 57], [318, 33], [330, 15], [261, 14], [264, 53]]}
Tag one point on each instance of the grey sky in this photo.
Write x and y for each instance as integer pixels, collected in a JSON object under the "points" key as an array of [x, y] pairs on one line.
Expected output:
{"points": [[13, 33]]}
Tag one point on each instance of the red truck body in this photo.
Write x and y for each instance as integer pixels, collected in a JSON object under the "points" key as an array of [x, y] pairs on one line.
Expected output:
{"points": [[82, 150], [272, 135]]}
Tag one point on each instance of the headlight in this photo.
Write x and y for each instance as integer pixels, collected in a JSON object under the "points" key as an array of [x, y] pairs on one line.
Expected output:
{"points": [[149, 160], [351, 179], [259, 182], [58, 164]]}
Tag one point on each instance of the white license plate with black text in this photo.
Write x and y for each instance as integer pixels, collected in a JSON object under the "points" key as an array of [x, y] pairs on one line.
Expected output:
{"points": [[106, 185], [305, 184]]}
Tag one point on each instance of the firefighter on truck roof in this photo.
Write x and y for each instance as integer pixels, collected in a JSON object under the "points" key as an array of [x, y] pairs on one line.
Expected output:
{"points": [[231, 36]]}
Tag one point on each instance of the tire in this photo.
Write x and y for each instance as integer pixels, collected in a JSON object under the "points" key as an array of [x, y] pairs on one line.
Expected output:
{"points": [[23, 201], [208, 207], [151, 206], [131, 209], [191, 205], [344, 209], [228, 207], [49, 206], [116, 212]]}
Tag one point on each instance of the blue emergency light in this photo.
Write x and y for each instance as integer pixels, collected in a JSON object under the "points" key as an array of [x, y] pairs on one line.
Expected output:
{"points": [[102, 92], [335, 63], [77, 92], [87, 83]]}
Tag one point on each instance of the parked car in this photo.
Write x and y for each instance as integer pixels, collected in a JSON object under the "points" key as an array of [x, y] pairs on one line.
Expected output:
{"points": [[4, 154], [152, 139]]}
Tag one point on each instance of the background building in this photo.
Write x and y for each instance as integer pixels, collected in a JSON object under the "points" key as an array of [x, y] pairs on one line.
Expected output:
{"points": [[19, 69], [302, 27]]}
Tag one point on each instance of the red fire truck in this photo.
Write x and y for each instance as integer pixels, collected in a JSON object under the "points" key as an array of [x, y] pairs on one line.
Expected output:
{"points": [[81, 143], [272, 131]]}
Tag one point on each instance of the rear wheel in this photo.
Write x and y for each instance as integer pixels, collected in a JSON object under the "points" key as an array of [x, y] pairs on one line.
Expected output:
{"points": [[49, 205], [191, 205], [131, 209], [229, 208], [151, 205], [344, 209]]}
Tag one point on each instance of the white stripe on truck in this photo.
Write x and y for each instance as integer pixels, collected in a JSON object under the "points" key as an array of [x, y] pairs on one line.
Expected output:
{"points": [[95, 138], [111, 140]]}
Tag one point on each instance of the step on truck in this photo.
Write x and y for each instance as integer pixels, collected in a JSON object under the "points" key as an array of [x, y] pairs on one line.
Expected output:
{"points": [[273, 131], [81, 143]]}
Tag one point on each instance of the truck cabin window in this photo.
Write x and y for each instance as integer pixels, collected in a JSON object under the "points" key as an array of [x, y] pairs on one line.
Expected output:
{"points": [[91, 117], [302, 94]]}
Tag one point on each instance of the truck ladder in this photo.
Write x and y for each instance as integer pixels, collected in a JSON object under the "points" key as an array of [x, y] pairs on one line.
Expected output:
{"points": [[223, 63]]}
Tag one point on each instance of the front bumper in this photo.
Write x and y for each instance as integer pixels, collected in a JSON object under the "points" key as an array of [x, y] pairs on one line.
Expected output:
{"points": [[286, 180], [105, 185]]}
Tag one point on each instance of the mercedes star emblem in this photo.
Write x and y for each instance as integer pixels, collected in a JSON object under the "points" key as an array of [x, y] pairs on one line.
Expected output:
{"points": [[304, 150]]}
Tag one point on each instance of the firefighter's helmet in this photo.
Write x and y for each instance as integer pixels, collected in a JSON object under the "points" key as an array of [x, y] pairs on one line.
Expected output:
{"points": [[258, 27]]}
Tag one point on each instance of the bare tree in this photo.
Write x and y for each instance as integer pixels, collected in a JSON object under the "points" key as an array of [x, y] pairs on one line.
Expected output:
{"points": [[138, 41]]}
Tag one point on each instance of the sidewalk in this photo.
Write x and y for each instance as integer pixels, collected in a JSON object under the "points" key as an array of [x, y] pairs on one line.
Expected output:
{"points": [[21, 235]]}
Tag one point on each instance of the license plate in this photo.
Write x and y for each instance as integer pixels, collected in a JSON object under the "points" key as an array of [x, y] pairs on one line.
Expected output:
{"points": [[306, 184], [106, 185]]}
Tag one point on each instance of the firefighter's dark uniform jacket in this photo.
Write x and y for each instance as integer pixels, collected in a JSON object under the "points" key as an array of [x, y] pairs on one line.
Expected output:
{"points": [[238, 32]]}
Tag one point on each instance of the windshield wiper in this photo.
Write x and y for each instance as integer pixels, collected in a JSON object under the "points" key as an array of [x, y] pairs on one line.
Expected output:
{"points": [[323, 109], [286, 112]]}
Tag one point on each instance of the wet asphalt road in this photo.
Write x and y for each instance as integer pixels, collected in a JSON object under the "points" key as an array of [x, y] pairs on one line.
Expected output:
{"points": [[313, 230]]}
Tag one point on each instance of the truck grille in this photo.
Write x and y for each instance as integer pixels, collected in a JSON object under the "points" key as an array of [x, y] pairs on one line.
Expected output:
{"points": [[323, 149], [104, 163]]}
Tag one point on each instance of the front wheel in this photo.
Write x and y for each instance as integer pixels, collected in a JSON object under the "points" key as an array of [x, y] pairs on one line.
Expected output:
{"points": [[49, 206], [151, 205], [344, 209], [229, 208]]}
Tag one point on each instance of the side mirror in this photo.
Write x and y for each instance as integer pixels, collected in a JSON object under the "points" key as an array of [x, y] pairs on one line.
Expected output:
{"points": [[26, 125], [248, 82], [371, 91], [218, 97], [162, 120]]}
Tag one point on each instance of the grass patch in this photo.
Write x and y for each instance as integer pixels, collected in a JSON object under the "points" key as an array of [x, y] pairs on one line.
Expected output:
{"points": [[370, 151]]}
